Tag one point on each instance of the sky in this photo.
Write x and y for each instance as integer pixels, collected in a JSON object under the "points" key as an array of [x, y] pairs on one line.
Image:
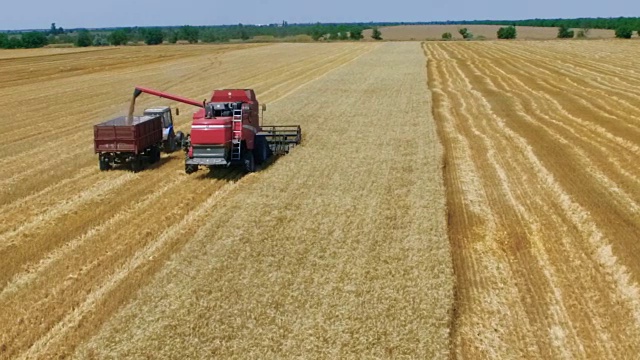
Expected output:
{"points": [[39, 14]]}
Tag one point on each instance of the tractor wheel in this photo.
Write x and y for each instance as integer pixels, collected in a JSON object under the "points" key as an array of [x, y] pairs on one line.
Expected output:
{"points": [[170, 145], [136, 164], [249, 162], [154, 155], [180, 139]]}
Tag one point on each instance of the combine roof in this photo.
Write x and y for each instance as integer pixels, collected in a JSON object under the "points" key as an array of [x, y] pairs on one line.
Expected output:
{"points": [[233, 95]]}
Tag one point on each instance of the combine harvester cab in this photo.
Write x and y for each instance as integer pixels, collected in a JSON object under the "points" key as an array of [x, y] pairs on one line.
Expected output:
{"points": [[226, 131]]}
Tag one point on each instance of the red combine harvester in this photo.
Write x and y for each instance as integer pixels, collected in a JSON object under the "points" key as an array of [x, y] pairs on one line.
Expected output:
{"points": [[226, 131]]}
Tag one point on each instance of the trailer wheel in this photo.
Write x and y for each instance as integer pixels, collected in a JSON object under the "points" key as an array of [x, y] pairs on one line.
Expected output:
{"points": [[136, 164], [249, 162], [190, 169], [154, 154], [104, 164]]}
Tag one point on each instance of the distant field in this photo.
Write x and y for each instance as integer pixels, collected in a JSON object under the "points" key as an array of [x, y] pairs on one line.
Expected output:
{"points": [[426, 32], [22, 53]]}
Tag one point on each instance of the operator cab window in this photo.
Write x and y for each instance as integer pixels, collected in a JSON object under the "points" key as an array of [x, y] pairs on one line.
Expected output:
{"points": [[166, 119], [220, 110]]}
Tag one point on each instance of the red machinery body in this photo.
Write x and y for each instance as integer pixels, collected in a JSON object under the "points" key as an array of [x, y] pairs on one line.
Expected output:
{"points": [[128, 140], [226, 130], [124, 135], [221, 129]]}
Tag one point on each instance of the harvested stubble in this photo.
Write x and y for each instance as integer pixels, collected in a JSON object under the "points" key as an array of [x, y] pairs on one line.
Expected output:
{"points": [[77, 243], [337, 250], [543, 188]]}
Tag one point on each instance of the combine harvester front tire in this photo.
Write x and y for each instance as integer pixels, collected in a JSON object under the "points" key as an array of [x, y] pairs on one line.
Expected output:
{"points": [[248, 162]]}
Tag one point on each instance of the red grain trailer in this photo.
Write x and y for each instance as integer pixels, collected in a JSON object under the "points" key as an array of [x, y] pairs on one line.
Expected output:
{"points": [[131, 140]]}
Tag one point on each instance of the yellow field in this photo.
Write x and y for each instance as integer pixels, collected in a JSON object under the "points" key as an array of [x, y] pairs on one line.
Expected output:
{"points": [[337, 249], [472, 200], [543, 191]]}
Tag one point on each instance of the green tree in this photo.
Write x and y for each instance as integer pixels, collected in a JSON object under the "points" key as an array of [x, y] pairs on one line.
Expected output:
{"points": [[100, 40], [189, 33], [316, 32], [447, 36], [624, 32], [55, 30], [153, 36], [84, 38], [34, 39], [118, 37], [377, 35], [208, 36], [508, 32], [4, 40], [582, 33], [356, 33], [564, 32], [344, 35], [172, 37], [466, 34], [64, 39], [15, 43], [244, 34]]}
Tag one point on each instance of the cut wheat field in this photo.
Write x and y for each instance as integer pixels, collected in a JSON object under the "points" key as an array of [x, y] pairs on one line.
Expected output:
{"points": [[467, 200], [338, 249], [543, 192]]}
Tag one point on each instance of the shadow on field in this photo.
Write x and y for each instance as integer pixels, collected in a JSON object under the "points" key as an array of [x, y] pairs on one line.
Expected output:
{"points": [[233, 173], [147, 166]]}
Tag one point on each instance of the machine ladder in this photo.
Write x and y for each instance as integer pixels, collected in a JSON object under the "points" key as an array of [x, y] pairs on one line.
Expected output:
{"points": [[236, 141]]}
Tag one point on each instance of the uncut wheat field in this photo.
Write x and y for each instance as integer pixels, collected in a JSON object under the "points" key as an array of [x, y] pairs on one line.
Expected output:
{"points": [[338, 249]]}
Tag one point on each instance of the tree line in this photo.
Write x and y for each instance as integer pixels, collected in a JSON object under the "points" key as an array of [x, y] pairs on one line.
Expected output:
{"points": [[191, 34], [582, 23], [623, 26], [508, 32]]}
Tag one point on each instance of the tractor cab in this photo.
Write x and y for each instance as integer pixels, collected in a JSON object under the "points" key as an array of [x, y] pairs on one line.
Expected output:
{"points": [[168, 134]]}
